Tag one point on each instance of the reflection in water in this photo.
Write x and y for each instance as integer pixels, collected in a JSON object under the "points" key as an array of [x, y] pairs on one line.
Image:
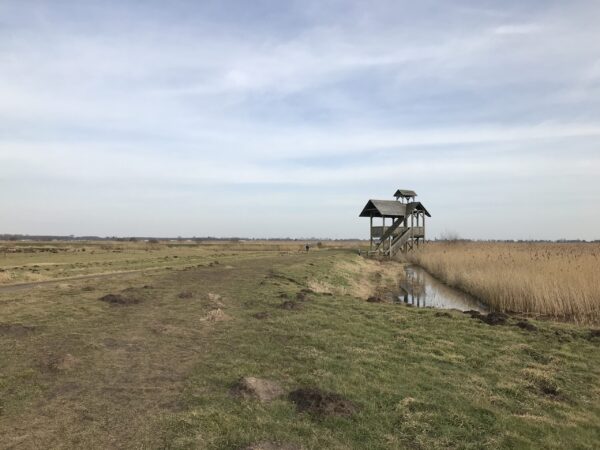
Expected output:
{"points": [[423, 291]]}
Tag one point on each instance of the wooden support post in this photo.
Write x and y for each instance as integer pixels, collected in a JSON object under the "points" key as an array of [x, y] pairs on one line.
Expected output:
{"points": [[382, 233], [371, 235], [412, 231]]}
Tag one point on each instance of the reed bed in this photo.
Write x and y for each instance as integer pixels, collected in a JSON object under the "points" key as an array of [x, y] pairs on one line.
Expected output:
{"points": [[547, 279]]}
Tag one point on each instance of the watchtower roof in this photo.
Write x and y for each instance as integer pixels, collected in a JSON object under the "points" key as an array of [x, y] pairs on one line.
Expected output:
{"points": [[391, 208], [405, 193], [380, 208], [416, 206]]}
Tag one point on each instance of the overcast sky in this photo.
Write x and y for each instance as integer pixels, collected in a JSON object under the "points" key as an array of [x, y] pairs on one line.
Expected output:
{"points": [[282, 118]]}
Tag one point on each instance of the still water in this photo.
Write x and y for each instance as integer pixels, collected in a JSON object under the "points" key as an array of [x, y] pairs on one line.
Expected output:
{"points": [[424, 291]]}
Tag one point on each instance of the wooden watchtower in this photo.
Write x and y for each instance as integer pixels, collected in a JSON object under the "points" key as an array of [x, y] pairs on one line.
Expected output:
{"points": [[406, 227]]}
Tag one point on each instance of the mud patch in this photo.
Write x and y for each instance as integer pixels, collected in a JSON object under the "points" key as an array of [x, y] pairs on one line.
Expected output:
{"points": [[322, 403], [257, 388], [120, 300], [272, 445], [291, 305], [16, 329]]}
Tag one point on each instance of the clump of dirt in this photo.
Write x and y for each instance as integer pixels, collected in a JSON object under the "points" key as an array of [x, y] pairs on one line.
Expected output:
{"points": [[118, 299], [442, 314], [322, 403], [271, 445], [472, 313], [216, 315], [525, 325], [15, 329], [546, 386], [54, 362], [375, 299], [257, 388], [494, 318], [291, 305], [261, 315], [185, 294], [303, 294]]}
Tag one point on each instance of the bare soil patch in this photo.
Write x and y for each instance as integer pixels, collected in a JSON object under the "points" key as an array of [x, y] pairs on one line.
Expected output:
{"points": [[493, 318], [261, 315], [185, 294], [322, 403], [58, 362], [119, 299], [257, 388], [16, 329]]}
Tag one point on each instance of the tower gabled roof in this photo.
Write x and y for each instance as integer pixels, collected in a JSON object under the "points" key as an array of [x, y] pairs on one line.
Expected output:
{"points": [[405, 193], [410, 207], [380, 208]]}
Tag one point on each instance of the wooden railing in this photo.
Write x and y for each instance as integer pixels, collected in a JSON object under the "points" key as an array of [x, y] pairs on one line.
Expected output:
{"points": [[379, 231]]}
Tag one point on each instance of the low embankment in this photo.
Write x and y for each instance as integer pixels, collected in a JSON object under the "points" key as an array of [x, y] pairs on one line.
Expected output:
{"points": [[556, 280]]}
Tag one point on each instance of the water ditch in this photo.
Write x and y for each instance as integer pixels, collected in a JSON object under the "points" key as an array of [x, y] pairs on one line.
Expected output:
{"points": [[422, 290]]}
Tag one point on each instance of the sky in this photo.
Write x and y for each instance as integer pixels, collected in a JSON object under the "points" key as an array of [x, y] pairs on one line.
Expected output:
{"points": [[279, 118]]}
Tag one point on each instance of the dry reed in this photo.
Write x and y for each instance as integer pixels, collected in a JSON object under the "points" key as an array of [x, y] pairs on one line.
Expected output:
{"points": [[557, 280]]}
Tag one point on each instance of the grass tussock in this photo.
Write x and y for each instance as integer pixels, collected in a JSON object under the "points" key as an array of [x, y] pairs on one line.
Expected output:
{"points": [[556, 280]]}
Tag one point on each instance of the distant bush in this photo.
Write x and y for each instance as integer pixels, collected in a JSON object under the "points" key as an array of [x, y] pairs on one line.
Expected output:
{"points": [[450, 236]]}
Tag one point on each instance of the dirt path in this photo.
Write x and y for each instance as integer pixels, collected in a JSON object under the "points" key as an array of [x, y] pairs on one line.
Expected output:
{"points": [[33, 284]]}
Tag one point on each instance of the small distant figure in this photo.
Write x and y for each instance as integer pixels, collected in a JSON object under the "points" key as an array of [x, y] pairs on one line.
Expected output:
{"points": [[307, 247]]}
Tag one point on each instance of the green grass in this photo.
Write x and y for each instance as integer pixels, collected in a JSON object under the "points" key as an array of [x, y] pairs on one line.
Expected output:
{"points": [[156, 375]]}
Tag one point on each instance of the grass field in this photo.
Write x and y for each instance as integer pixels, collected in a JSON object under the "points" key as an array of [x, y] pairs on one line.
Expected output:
{"points": [[555, 280], [158, 371]]}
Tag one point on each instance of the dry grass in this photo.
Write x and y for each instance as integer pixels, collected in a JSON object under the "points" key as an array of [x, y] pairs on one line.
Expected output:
{"points": [[556, 280], [28, 261]]}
